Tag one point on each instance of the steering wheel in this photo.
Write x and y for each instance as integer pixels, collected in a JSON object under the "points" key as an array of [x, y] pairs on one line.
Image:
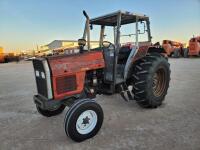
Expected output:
{"points": [[108, 45]]}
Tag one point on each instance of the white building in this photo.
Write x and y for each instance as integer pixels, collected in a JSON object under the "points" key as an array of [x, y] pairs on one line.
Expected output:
{"points": [[63, 44], [68, 44]]}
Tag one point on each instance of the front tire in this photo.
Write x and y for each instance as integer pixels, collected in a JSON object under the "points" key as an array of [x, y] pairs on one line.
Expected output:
{"points": [[151, 78], [83, 120], [49, 113]]}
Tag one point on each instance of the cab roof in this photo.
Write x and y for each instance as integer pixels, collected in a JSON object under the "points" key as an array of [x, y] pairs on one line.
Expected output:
{"points": [[111, 19]]}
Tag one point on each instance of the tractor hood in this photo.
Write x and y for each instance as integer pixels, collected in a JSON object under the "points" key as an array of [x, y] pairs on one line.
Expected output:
{"points": [[69, 64]]}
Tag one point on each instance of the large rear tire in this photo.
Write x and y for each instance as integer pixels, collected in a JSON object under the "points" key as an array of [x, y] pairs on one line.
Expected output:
{"points": [[83, 120], [176, 53], [185, 53], [151, 78]]}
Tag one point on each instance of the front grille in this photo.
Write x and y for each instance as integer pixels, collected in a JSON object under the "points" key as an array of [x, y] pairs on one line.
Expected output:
{"points": [[65, 84], [40, 77]]}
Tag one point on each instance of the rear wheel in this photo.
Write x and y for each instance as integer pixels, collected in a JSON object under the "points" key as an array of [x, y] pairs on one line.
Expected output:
{"points": [[151, 80], [51, 112], [176, 53], [185, 53], [83, 120]]}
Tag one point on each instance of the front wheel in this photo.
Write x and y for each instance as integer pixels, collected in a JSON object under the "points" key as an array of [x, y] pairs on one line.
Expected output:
{"points": [[151, 78], [83, 120]]}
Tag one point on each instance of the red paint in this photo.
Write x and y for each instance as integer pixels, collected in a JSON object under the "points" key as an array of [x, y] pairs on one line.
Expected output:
{"points": [[171, 46], [76, 65], [194, 46]]}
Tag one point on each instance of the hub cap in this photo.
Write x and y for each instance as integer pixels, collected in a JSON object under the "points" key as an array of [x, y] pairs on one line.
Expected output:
{"points": [[159, 82], [86, 122]]}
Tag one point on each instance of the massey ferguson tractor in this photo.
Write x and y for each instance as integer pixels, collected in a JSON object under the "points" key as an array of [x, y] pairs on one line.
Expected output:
{"points": [[174, 49], [137, 70]]}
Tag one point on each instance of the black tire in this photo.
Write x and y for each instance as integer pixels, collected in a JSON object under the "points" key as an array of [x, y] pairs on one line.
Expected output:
{"points": [[6, 60], [146, 91], [50, 113], [72, 117], [176, 53], [185, 53]]}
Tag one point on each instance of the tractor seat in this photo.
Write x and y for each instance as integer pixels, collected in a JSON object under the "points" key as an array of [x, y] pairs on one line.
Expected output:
{"points": [[123, 54]]}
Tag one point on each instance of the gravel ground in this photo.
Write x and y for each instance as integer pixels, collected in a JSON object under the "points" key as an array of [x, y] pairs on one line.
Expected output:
{"points": [[174, 125]]}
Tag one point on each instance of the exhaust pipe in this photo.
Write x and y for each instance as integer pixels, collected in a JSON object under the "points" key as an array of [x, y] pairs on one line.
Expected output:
{"points": [[85, 14], [87, 29]]}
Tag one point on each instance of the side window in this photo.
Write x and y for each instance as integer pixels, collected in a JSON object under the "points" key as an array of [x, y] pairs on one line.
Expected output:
{"points": [[143, 34], [127, 34], [109, 34], [94, 37], [95, 33]]}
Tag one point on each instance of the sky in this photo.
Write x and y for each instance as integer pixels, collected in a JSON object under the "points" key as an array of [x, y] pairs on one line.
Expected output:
{"points": [[24, 24]]}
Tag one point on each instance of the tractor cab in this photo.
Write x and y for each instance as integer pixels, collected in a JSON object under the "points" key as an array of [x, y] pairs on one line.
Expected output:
{"points": [[119, 37]]}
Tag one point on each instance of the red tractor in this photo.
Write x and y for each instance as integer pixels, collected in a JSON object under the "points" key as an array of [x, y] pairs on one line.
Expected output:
{"points": [[194, 46], [138, 71], [174, 49]]}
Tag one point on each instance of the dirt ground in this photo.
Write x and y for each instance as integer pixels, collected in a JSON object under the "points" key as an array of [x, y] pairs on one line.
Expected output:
{"points": [[174, 125]]}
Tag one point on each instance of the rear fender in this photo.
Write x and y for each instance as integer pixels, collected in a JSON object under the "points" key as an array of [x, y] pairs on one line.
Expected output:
{"points": [[139, 54], [136, 53]]}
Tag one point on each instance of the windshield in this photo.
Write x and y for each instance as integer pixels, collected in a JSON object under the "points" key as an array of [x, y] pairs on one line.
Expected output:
{"points": [[127, 34], [108, 33]]}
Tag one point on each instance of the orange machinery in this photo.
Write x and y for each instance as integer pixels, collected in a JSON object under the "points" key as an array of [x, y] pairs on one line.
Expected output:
{"points": [[8, 57], [2, 59], [194, 46], [174, 49]]}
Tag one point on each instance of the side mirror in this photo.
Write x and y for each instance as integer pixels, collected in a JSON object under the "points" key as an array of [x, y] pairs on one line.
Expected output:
{"points": [[144, 28]]}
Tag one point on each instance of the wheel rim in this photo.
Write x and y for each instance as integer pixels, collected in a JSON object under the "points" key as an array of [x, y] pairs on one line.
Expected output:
{"points": [[86, 122], [159, 82]]}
